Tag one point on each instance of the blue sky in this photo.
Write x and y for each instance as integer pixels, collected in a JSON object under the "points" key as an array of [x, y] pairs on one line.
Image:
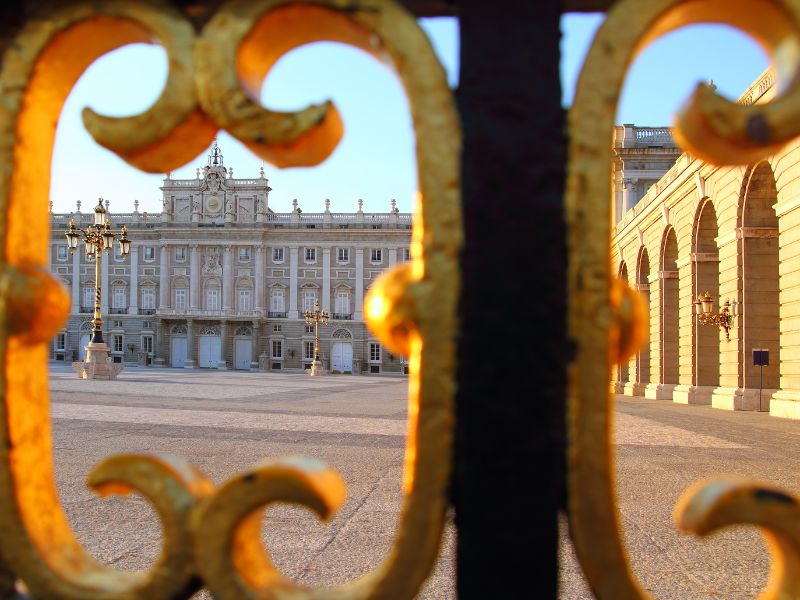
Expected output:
{"points": [[375, 160]]}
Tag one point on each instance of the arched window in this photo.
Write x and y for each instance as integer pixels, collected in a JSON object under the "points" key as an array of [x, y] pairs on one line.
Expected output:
{"points": [[244, 294], [278, 301], [119, 295], [213, 294]]}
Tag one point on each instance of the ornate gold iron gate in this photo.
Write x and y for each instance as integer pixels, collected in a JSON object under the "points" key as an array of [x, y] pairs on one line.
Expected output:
{"points": [[435, 310]]}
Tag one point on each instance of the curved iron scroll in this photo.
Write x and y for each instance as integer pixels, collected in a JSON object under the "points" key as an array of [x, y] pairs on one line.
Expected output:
{"points": [[602, 315], [210, 536]]}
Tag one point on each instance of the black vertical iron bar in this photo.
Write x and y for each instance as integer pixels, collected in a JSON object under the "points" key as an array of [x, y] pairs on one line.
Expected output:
{"points": [[512, 344]]}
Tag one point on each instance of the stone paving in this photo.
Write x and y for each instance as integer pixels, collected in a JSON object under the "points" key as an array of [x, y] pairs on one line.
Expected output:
{"points": [[223, 422]]}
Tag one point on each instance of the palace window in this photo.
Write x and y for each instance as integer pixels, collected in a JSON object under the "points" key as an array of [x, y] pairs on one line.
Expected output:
{"points": [[88, 297], [376, 255], [118, 252], [148, 298], [180, 253], [342, 303], [311, 255], [244, 254], [277, 301], [61, 341], [308, 350], [374, 352], [116, 343], [277, 349], [212, 299], [406, 254], [147, 344], [244, 300], [180, 299], [309, 300], [149, 253], [343, 255], [276, 328], [309, 329], [118, 297], [277, 255], [61, 252]]}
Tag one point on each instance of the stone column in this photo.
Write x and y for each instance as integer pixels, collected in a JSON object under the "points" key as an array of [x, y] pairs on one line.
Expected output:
{"points": [[326, 279], [105, 292], [227, 279], [76, 281], [163, 279], [158, 338], [255, 345], [629, 194], [222, 364], [189, 363], [194, 278], [259, 299], [133, 292], [359, 308], [293, 282]]}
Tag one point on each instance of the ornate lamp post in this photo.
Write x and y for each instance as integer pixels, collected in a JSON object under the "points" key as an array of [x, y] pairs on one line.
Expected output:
{"points": [[724, 319], [97, 237], [314, 317]]}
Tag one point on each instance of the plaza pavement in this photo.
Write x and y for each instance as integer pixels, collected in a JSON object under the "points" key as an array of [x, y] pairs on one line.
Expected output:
{"points": [[225, 421]]}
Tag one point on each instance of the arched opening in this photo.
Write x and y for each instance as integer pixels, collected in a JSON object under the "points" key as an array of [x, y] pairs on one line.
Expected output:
{"points": [[706, 347], [759, 321], [642, 358], [670, 331], [243, 350], [623, 369]]}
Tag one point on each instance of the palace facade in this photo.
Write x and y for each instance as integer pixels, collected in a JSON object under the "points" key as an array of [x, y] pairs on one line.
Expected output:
{"points": [[733, 232], [218, 280]]}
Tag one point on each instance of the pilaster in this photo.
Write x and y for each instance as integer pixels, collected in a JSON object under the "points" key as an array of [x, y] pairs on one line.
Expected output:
{"points": [[259, 299], [133, 289], [359, 308], [293, 282], [227, 279], [163, 278], [194, 277], [76, 281], [326, 279], [104, 281]]}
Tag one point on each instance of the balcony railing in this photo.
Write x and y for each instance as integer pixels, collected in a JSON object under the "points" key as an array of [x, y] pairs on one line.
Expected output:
{"points": [[118, 311], [202, 312], [342, 316], [147, 311], [276, 314], [87, 309]]}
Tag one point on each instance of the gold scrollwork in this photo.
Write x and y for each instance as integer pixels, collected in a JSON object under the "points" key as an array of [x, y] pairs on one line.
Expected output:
{"points": [[230, 555], [708, 506], [39, 69], [715, 130]]}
